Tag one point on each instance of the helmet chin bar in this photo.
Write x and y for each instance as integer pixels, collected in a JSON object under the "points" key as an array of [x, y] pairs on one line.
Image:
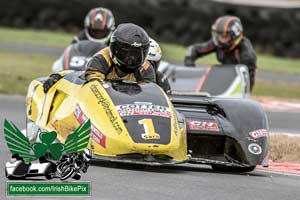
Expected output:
{"points": [[230, 46], [102, 40], [121, 68]]}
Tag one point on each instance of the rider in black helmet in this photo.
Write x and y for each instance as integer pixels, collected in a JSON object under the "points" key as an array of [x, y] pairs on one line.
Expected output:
{"points": [[125, 58], [230, 45], [99, 24]]}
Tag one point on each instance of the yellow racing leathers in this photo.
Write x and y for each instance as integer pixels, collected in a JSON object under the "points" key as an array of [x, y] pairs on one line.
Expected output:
{"points": [[101, 66]]}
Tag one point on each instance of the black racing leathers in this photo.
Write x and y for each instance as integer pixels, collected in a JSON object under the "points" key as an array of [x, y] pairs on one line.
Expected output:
{"points": [[163, 82], [242, 54], [102, 67]]}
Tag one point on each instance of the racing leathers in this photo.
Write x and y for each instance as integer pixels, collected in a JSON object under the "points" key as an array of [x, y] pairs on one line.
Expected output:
{"points": [[161, 80], [101, 66], [243, 53]]}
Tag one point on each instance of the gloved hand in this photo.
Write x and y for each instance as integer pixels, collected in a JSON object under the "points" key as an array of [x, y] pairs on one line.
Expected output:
{"points": [[51, 81], [188, 61]]}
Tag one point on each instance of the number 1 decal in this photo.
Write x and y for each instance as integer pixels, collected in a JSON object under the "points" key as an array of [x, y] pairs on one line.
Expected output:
{"points": [[149, 130]]}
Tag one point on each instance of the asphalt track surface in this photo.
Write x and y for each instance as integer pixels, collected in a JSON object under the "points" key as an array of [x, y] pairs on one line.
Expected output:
{"points": [[184, 182]]}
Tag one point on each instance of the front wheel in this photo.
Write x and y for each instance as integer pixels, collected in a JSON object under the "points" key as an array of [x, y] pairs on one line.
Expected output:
{"points": [[222, 168]]}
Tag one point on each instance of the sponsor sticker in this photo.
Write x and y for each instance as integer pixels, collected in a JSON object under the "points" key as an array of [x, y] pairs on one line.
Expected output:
{"points": [[77, 111], [203, 125], [254, 149], [251, 139], [143, 108], [96, 134], [135, 44], [106, 105], [259, 133]]}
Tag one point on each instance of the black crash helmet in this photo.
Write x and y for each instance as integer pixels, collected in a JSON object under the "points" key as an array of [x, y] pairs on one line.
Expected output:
{"points": [[99, 24], [227, 32], [129, 46]]}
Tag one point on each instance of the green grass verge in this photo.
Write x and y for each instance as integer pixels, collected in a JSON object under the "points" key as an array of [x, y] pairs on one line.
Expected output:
{"points": [[171, 52], [17, 70], [36, 37], [265, 62], [176, 53], [276, 89]]}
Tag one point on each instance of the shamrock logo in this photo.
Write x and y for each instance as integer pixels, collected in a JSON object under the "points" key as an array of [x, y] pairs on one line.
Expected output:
{"points": [[19, 143], [47, 145]]}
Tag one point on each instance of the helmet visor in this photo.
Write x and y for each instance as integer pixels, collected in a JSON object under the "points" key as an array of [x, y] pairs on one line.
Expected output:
{"points": [[131, 57], [98, 33], [222, 39]]}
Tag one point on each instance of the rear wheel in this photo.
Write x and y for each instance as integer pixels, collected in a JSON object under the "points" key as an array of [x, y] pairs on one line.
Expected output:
{"points": [[222, 168]]}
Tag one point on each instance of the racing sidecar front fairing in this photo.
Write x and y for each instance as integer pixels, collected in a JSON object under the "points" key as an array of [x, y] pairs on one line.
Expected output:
{"points": [[224, 132], [129, 121]]}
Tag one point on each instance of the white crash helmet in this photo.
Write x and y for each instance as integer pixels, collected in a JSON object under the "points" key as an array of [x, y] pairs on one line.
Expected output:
{"points": [[155, 52]]}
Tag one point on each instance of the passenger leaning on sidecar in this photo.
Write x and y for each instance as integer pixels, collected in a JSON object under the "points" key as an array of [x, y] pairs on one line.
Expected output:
{"points": [[230, 45], [154, 57]]}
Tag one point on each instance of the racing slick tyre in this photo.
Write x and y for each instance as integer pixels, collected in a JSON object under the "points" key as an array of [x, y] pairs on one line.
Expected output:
{"points": [[222, 168]]}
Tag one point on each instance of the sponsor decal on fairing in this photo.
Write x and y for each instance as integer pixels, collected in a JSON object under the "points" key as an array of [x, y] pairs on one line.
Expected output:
{"points": [[251, 139], [203, 125], [105, 103], [143, 108], [259, 133], [96, 135], [254, 149]]}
